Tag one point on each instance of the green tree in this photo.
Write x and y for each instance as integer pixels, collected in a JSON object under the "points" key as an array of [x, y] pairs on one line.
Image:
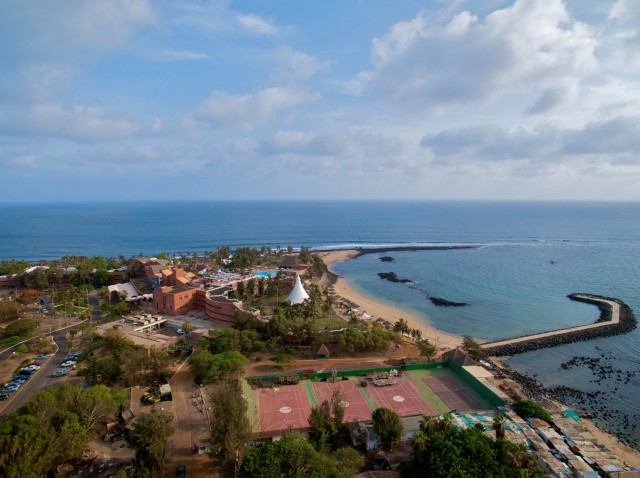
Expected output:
{"points": [[9, 310], [388, 426], [149, 440], [230, 426], [208, 367], [349, 460], [292, 456], [531, 409], [472, 347], [427, 349], [441, 450]]}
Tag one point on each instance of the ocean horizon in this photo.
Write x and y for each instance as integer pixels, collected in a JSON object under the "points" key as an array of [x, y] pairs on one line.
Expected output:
{"points": [[527, 257]]}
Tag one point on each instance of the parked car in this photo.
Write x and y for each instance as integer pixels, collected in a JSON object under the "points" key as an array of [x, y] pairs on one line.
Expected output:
{"points": [[69, 363], [4, 396], [61, 372], [18, 381], [10, 388], [181, 471], [41, 356], [33, 368], [37, 364], [26, 371]]}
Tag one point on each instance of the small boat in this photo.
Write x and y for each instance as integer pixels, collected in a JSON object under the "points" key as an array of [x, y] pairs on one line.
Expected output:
{"points": [[552, 261]]}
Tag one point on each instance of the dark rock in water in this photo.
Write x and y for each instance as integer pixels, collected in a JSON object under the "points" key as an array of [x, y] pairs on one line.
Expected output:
{"points": [[392, 277], [447, 303], [387, 259]]}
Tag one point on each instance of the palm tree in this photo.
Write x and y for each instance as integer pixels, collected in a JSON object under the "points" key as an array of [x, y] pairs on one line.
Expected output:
{"points": [[498, 426]]}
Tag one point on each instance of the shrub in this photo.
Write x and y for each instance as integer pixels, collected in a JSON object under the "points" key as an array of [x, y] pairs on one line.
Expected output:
{"points": [[283, 358]]}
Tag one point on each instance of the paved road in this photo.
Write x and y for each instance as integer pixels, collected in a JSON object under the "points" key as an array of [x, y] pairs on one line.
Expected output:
{"points": [[43, 378], [191, 426]]}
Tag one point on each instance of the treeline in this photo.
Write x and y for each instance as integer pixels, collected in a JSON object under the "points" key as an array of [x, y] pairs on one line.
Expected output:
{"points": [[441, 450], [53, 427], [56, 425]]}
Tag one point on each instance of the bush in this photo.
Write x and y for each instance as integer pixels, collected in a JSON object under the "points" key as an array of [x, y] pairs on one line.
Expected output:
{"points": [[20, 327], [23, 349], [283, 358], [529, 408], [14, 339]]}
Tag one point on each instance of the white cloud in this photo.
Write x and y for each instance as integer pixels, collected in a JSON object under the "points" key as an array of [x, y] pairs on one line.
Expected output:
{"points": [[294, 65], [182, 55], [77, 122], [50, 29], [626, 16], [532, 44], [256, 24], [248, 111], [608, 142]]}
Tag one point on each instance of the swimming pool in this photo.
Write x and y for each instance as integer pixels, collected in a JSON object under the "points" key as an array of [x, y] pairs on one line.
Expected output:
{"points": [[265, 273]]}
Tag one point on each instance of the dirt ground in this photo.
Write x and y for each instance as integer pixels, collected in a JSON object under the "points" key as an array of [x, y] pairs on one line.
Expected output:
{"points": [[12, 364]]}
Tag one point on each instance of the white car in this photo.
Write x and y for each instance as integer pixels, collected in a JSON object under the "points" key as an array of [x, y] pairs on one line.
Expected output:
{"points": [[68, 363], [61, 372]]}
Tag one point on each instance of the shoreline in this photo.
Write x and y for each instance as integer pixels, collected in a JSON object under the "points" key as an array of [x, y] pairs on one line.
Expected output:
{"points": [[378, 309]]}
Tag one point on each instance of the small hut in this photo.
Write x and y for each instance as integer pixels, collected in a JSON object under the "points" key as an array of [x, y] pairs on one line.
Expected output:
{"points": [[323, 352]]}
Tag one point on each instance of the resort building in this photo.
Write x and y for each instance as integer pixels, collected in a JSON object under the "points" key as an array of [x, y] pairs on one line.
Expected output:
{"points": [[184, 292], [293, 263]]}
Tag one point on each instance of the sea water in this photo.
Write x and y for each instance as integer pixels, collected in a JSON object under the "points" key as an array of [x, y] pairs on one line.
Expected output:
{"points": [[526, 257]]}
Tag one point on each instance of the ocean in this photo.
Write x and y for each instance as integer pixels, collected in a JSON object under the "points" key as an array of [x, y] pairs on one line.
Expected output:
{"points": [[527, 257]]}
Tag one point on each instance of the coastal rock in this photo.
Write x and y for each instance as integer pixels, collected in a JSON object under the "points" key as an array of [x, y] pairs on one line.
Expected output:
{"points": [[387, 259], [446, 303], [392, 277]]}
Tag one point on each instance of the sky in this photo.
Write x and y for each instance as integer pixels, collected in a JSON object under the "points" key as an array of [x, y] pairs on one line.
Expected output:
{"points": [[339, 99]]}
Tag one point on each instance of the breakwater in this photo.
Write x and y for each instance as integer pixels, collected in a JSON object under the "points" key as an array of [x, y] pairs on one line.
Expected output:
{"points": [[615, 318]]}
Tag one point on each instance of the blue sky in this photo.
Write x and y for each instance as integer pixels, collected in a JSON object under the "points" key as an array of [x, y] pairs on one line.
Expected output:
{"points": [[339, 99]]}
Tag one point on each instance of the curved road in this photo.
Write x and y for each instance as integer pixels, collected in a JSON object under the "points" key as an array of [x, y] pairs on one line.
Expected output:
{"points": [[43, 378]]}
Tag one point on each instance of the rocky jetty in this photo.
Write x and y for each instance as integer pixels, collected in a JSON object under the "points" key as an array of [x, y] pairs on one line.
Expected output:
{"points": [[387, 259], [392, 277], [446, 303], [568, 336]]}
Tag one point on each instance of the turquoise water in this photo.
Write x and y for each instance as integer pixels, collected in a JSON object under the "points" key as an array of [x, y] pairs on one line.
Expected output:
{"points": [[265, 273], [508, 280]]}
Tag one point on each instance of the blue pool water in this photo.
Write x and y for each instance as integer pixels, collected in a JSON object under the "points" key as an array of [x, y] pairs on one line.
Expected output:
{"points": [[265, 273]]}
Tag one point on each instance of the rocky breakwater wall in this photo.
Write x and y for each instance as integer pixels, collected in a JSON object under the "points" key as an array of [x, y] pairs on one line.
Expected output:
{"points": [[605, 326]]}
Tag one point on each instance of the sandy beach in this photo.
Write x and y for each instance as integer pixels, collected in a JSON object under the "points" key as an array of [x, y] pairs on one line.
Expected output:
{"points": [[378, 310]]}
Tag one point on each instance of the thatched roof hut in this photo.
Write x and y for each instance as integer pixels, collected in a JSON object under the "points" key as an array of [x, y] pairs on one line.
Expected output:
{"points": [[323, 352]]}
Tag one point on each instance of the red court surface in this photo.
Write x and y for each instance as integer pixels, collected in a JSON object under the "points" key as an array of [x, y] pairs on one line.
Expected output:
{"points": [[402, 398], [357, 409], [284, 408], [452, 394]]}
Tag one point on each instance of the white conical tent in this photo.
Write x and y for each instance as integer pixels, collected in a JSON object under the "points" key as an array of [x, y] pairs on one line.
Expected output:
{"points": [[298, 295]]}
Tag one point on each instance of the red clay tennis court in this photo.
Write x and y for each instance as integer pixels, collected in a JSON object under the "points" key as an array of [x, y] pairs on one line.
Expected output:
{"points": [[357, 409], [284, 408], [402, 398], [452, 394]]}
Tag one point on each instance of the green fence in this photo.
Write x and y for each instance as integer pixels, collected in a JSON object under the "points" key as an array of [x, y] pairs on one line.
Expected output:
{"points": [[474, 383]]}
